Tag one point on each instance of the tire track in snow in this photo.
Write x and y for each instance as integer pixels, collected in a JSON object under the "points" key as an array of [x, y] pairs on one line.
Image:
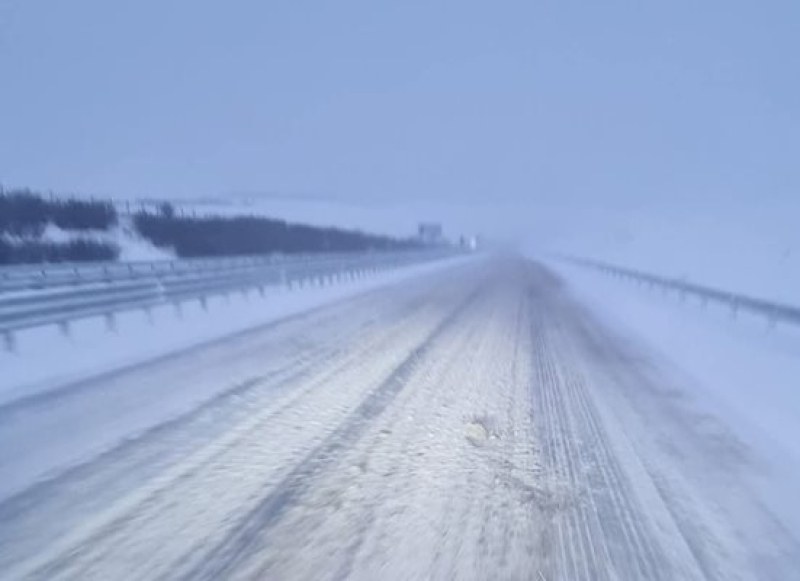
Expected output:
{"points": [[477, 438], [430, 504], [604, 533], [695, 475], [392, 332], [445, 353], [91, 483], [237, 546]]}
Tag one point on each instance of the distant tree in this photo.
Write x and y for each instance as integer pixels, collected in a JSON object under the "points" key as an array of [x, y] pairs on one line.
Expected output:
{"points": [[5, 252], [22, 213], [25, 214], [83, 215], [166, 210]]}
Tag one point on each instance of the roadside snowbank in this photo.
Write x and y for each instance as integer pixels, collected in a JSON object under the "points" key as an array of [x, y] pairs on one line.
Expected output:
{"points": [[738, 370]]}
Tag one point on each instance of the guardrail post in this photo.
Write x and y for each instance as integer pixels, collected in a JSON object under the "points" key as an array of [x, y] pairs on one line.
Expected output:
{"points": [[178, 309], [111, 322], [64, 327], [9, 341], [204, 303], [148, 313]]}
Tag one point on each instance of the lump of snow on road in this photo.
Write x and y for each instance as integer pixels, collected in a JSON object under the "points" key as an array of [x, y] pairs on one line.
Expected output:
{"points": [[476, 433]]}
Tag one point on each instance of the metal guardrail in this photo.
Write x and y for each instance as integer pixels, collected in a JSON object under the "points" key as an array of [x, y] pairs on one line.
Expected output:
{"points": [[63, 304], [772, 311], [41, 276]]}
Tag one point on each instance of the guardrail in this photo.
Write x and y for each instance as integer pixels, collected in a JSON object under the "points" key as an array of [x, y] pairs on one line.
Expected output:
{"points": [[772, 311], [61, 305], [42, 276]]}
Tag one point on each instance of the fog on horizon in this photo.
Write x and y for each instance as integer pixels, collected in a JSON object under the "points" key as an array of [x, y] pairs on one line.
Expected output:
{"points": [[545, 122]]}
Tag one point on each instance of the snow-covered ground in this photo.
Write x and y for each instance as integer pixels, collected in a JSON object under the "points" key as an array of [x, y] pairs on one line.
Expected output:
{"points": [[471, 423], [741, 370], [132, 246], [751, 248]]}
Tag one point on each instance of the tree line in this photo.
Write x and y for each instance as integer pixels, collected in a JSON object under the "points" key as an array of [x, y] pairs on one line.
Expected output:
{"points": [[220, 236], [25, 214], [74, 251]]}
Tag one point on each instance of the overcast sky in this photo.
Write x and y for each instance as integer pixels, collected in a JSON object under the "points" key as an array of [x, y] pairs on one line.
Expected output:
{"points": [[505, 106]]}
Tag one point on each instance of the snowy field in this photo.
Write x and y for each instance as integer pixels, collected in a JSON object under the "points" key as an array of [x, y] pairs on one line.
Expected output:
{"points": [[124, 235], [473, 422], [748, 248]]}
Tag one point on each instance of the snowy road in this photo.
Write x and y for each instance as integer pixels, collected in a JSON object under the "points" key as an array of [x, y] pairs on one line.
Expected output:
{"points": [[474, 423]]}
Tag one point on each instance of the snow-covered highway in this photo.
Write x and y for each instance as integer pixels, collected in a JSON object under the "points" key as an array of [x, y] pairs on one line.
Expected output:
{"points": [[470, 423]]}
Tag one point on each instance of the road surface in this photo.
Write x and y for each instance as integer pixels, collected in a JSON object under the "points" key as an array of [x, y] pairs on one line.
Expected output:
{"points": [[474, 423]]}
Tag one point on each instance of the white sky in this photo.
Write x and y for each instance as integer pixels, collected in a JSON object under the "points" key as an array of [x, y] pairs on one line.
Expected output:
{"points": [[499, 116]]}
